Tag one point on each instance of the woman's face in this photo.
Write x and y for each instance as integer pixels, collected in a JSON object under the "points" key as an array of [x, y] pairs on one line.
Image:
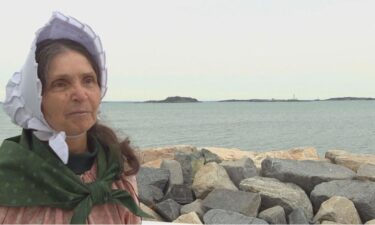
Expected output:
{"points": [[71, 94]]}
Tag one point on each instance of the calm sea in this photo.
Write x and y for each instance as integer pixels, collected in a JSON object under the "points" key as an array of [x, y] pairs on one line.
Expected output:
{"points": [[346, 125]]}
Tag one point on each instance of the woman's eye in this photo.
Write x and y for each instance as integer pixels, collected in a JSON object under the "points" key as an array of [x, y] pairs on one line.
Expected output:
{"points": [[89, 80], [59, 84]]}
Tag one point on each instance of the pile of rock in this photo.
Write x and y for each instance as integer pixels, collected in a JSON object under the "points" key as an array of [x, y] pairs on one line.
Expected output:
{"points": [[184, 184]]}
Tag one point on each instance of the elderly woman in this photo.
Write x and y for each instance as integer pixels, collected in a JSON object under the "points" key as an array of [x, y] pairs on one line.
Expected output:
{"points": [[65, 167]]}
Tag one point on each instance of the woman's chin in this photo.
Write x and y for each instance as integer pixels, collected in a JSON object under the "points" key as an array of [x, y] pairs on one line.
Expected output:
{"points": [[79, 128], [75, 133]]}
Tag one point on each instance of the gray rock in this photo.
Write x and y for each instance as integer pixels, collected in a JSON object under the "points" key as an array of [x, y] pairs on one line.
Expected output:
{"points": [[190, 218], [190, 164], [197, 161], [151, 212], [274, 215], [151, 184], [195, 206], [149, 194], [153, 176], [370, 222], [211, 176], [240, 169], [366, 172], [350, 160], [306, 174], [220, 216], [361, 193], [168, 209], [175, 171], [327, 222], [210, 157], [273, 192], [338, 209], [297, 216], [246, 203], [181, 193]]}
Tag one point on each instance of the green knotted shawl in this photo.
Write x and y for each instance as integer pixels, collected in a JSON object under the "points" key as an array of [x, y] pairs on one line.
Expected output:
{"points": [[31, 175]]}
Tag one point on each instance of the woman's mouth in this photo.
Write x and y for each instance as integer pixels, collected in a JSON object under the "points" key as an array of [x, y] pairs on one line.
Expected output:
{"points": [[78, 113]]}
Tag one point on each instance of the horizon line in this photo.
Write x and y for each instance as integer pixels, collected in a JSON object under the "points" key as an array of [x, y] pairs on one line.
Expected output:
{"points": [[255, 99], [348, 98]]}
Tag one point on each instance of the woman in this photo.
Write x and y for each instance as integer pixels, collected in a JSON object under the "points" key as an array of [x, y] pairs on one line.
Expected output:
{"points": [[65, 167]]}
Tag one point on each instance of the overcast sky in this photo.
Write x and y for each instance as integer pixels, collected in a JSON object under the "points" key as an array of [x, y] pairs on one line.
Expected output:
{"points": [[214, 50]]}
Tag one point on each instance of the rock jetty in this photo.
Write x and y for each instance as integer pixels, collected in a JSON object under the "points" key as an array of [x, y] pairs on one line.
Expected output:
{"points": [[186, 184]]}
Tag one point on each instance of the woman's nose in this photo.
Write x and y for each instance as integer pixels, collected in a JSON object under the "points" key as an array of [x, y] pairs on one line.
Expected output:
{"points": [[79, 93]]}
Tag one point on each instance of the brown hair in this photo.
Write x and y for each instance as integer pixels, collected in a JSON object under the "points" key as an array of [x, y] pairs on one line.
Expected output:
{"points": [[46, 50]]}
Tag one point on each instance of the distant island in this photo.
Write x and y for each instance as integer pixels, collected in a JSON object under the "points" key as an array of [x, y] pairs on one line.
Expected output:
{"points": [[348, 99], [175, 99], [265, 100], [296, 100]]}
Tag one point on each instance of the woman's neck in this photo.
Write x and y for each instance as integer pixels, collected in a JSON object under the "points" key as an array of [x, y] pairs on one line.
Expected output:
{"points": [[77, 144]]}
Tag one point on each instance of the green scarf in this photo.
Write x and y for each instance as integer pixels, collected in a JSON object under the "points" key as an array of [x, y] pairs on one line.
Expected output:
{"points": [[31, 175]]}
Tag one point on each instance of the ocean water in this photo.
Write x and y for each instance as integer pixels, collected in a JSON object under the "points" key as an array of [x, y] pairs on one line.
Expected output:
{"points": [[325, 125]]}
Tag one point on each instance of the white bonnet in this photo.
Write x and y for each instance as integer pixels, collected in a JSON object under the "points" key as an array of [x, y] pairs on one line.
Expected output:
{"points": [[23, 91]]}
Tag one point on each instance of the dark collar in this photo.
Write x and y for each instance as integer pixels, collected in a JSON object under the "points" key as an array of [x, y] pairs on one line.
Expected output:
{"points": [[80, 163]]}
